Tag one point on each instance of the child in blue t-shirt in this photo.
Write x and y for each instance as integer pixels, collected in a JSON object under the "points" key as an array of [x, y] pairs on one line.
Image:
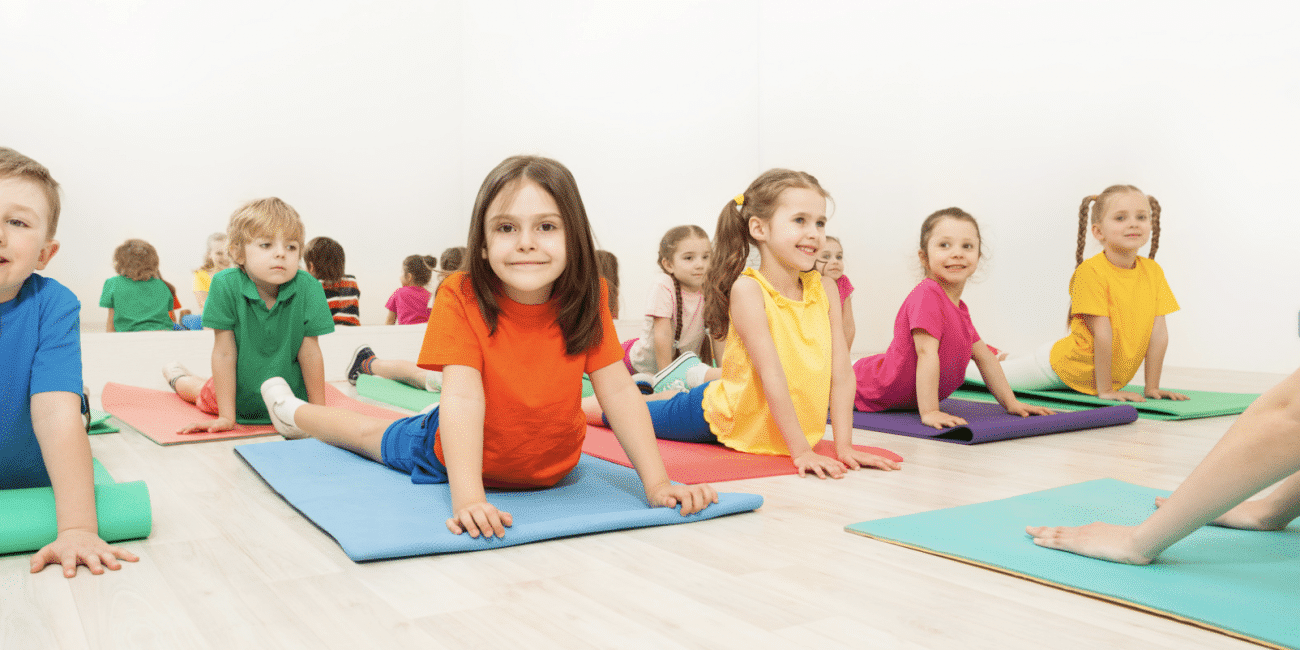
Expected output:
{"points": [[266, 314], [42, 439]]}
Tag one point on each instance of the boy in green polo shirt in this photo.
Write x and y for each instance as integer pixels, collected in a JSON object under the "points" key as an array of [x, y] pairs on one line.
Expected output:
{"points": [[266, 314]]}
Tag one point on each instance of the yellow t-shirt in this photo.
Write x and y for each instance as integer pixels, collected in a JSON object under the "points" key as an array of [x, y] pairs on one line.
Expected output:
{"points": [[735, 406], [1131, 299], [202, 280]]}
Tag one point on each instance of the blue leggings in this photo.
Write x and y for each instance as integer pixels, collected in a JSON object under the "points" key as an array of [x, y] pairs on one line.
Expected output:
{"points": [[681, 417]]}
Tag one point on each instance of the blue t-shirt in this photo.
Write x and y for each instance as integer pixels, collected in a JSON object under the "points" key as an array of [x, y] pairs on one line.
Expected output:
{"points": [[40, 343]]}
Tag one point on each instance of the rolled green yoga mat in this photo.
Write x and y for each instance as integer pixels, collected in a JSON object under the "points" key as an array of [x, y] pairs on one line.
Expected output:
{"points": [[27, 519], [1200, 403]]}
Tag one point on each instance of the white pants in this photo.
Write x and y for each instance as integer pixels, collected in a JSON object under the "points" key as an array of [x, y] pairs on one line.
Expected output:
{"points": [[1025, 372]]}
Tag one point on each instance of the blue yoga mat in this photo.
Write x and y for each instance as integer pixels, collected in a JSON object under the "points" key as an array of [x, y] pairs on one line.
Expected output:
{"points": [[1241, 583], [374, 512]]}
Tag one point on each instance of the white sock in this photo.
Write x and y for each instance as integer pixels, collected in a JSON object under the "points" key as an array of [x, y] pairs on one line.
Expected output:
{"points": [[286, 407], [695, 374], [432, 381]]}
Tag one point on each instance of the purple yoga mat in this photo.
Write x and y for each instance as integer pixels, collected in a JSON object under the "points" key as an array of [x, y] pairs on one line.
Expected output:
{"points": [[990, 423]]}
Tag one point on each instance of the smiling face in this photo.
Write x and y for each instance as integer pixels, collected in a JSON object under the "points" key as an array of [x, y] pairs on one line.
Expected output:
{"points": [[270, 261], [796, 231], [525, 245], [1126, 225], [831, 259], [25, 246], [689, 263], [952, 253]]}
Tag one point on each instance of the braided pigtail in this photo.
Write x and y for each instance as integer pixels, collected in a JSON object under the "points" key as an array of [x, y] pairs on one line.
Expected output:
{"points": [[677, 333], [730, 250], [1155, 225], [1083, 227]]}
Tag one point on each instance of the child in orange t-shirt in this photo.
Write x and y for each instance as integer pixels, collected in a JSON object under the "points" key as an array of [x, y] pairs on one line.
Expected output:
{"points": [[531, 305]]}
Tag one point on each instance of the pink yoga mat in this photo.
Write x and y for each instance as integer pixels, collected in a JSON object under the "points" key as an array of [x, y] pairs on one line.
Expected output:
{"points": [[160, 414], [692, 463]]}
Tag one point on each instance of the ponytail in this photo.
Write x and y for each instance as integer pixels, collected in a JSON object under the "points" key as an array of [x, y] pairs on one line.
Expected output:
{"points": [[730, 250], [1155, 226], [1083, 227]]}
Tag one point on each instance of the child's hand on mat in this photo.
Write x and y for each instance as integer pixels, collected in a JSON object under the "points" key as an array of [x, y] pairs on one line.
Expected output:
{"points": [[1156, 393], [693, 498], [1099, 539], [210, 426], [76, 546], [481, 517], [857, 459], [822, 466], [1024, 410], [940, 420], [1121, 396]]}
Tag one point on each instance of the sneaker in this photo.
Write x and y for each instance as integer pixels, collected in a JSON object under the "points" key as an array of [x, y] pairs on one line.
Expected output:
{"points": [[674, 376], [695, 375], [276, 392], [433, 381], [645, 382], [172, 372], [359, 358]]}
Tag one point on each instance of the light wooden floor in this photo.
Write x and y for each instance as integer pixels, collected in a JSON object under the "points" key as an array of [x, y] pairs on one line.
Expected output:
{"points": [[231, 565]]}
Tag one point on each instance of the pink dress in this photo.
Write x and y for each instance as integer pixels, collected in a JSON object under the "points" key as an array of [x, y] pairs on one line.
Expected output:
{"points": [[888, 381]]}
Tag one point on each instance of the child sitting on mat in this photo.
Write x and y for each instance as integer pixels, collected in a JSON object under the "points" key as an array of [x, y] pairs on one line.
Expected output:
{"points": [[674, 314], [410, 304], [1118, 302], [512, 335], [786, 364], [1259, 449], [266, 314], [137, 298], [934, 338], [325, 262], [42, 438], [831, 260]]}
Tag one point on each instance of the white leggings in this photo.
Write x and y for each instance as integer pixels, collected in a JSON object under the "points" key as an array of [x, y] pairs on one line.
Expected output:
{"points": [[1025, 372]]}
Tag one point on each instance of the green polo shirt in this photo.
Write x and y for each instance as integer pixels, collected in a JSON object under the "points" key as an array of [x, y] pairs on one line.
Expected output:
{"points": [[138, 305], [267, 340]]}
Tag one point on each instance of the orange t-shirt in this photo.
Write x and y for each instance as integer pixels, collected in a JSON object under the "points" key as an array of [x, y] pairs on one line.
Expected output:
{"points": [[533, 425]]}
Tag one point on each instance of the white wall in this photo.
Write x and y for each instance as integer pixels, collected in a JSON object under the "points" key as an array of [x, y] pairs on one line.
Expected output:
{"points": [[379, 120]]}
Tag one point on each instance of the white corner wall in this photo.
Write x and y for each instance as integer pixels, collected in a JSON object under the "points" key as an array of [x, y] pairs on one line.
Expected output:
{"points": [[378, 121]]}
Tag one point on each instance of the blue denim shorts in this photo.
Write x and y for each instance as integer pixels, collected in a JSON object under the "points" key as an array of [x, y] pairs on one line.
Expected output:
{"points": [[408, 448], [681, 417]]}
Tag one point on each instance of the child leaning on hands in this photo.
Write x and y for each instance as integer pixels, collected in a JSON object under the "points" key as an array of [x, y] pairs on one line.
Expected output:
{"points": [[42, 438], [266, 314]]}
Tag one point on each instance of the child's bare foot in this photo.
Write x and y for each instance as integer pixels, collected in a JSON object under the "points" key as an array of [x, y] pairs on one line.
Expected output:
{"points": [[1247, 515], [1100, 540]]}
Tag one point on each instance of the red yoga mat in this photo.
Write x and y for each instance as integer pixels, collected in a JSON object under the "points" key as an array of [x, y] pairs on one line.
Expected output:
{"points": [[693, 463], [160, 414]]}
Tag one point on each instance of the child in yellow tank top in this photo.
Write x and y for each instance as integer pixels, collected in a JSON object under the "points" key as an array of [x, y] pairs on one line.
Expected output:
{"points": [[786, 361]]}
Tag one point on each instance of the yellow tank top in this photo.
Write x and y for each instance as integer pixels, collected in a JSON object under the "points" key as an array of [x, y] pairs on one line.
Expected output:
{"points": [[735, 406]]}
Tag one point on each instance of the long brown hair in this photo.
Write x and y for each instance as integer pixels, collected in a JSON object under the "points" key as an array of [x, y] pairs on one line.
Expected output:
{"points": [[578, 287], [731, 239], [1098, 202], [608, 263]]}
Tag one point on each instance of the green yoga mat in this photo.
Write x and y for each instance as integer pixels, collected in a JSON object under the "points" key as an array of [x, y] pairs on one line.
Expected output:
{"points": [[1201, 404], [411, 398], [99, 423], [27, 520], [1237, 582]]}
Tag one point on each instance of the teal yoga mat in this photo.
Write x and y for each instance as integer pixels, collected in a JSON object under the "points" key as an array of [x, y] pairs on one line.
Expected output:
{"points": [[412, 398], [1241, 583], [27, 520], [1201, 404]]}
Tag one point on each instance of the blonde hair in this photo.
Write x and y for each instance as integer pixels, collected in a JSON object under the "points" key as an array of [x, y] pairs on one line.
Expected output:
{"points": [[210, 245], [732, 239], [269, 216], [1098, 203], [14, 164], [136, 259]]}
